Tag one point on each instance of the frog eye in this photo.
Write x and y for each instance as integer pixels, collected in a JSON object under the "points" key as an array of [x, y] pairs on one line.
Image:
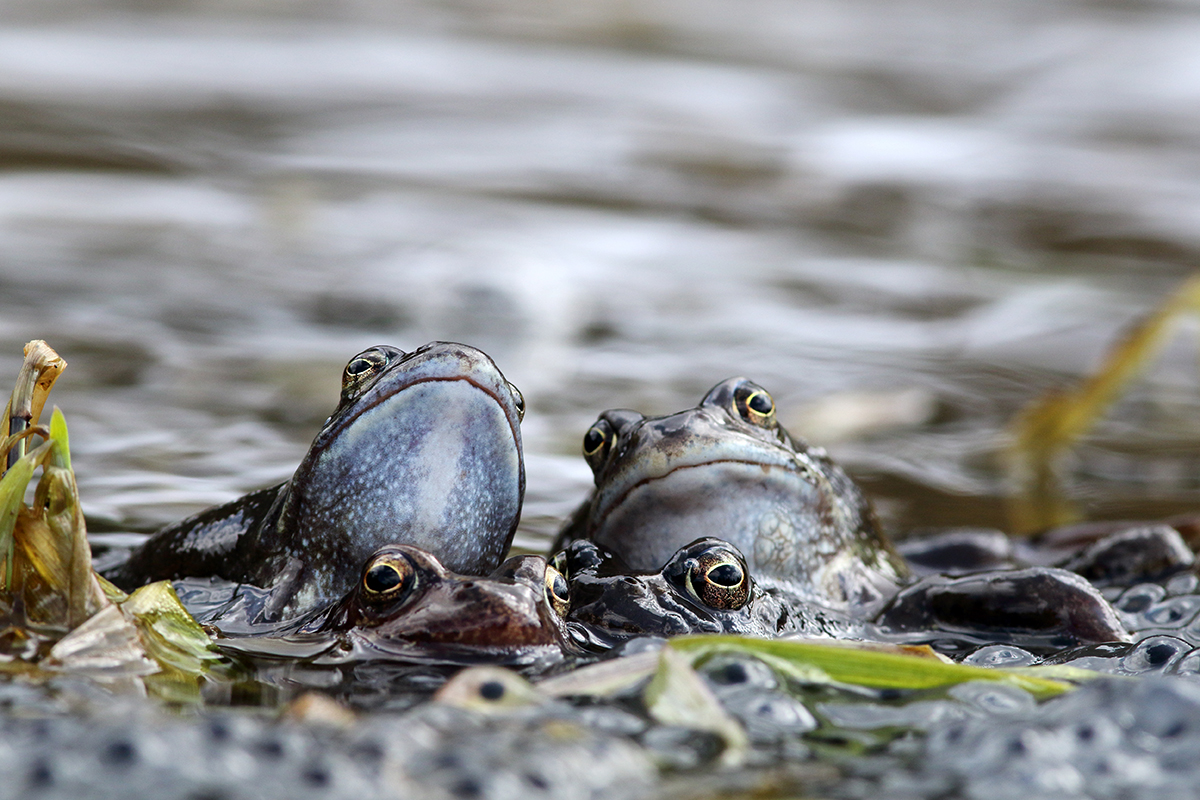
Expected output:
{"points": [[718, 578], [388, 577], [754, 404], [361, 369], [518, 400], [557, 592], [597, 442]]}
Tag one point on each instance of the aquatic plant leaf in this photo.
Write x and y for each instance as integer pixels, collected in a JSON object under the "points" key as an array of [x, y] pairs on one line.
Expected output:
{"points": [[172, 640], [54, 571], [171, 636], [105, 646], [870, 668], [603, 679], [676, 695], [12, 500], [111, 592], [1050, 425], [60, 456], [39, 371]]}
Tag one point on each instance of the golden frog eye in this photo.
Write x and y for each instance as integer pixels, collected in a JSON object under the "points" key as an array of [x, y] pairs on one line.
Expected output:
{"points": [[518, 400], [754, 404], [718, 578], [361, 369], [557, 592], [388, 577], [596, 444]]}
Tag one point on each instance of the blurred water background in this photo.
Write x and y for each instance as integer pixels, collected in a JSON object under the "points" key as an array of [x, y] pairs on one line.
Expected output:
{"points": [[906, 219]]}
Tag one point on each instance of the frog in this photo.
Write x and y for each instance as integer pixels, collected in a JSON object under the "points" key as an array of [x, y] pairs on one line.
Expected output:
{"points": [[423, 449], [406, 603], [705, 587], [728, 469], [1041, 609]]}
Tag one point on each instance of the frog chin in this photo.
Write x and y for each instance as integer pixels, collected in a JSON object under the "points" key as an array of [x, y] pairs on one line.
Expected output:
{"points": [[435, 466]]}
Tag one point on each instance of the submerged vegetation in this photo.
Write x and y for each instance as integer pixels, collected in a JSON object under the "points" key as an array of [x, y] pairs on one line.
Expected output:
{"points": [[59, 615]]}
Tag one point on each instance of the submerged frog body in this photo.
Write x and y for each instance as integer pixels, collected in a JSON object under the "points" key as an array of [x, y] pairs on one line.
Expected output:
{"points": [[406, 602], [705, 587], [728, 469], [1036, 607], [424, 449]]}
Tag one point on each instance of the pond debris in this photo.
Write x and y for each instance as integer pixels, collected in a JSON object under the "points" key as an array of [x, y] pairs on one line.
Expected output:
{"points": [[1047, 428], [56, 614], [314, 708]]}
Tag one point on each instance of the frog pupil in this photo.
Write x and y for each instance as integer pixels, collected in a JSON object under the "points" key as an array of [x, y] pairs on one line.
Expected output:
{"points": [[382, 577], [760, 403], [491, 690], [725, 575], [592, 440], [358, 366], [558, 587]]}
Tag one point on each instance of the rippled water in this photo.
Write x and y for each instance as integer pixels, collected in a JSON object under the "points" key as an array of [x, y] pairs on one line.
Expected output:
{"points": [[906, 220]]}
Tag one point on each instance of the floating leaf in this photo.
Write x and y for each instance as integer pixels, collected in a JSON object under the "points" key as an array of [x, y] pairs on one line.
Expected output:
{"points": [[676, 695], [602, 679], [105, 646], [171, 635], [871, 668], [172, 639]]}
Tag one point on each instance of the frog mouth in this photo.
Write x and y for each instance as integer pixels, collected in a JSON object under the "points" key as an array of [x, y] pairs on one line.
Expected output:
{"points": [[607, 504]]}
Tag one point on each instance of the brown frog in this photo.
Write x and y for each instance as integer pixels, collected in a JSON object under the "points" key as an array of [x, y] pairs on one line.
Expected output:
{"points": [[728, 469]]}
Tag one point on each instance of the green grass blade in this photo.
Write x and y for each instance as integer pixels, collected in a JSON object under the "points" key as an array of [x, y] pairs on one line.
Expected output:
{"points": [[60, 455], [807, 660], [12, 498]]}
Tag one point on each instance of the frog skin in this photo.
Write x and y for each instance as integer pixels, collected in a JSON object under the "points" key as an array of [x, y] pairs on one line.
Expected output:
{"points": [[407, 603], [728, 469], [1035, 607], [423, 449], [705, 587], [1106, 553]]}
